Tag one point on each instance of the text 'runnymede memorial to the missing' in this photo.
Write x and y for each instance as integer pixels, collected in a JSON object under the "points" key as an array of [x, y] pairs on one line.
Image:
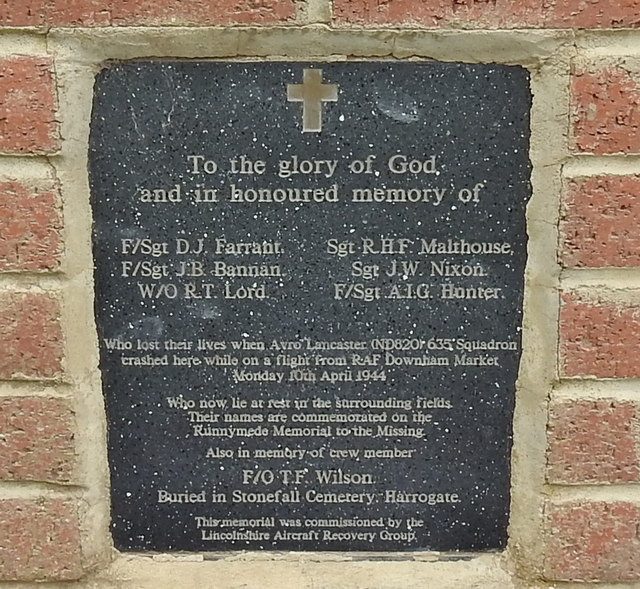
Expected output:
{"points": [[309, 284]]}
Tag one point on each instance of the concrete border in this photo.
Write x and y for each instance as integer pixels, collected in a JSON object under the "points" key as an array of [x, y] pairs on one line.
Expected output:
{"points": [[78, 57]]}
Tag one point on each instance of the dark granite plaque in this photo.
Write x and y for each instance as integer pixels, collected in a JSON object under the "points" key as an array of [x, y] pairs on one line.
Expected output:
{"points": [[309, 284]]}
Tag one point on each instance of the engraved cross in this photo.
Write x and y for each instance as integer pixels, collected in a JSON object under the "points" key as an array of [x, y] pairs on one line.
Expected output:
{"points": [[312, 93]]}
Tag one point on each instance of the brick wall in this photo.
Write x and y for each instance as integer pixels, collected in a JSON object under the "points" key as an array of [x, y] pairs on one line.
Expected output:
{"points": [[508, 14], [593, 439], [592, 468], [39, 536]]}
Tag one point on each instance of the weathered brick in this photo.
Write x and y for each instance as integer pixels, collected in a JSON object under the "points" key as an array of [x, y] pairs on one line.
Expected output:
{"points": [[36, 439], [599, 338], [592, 541], [606, 110], [27, 105], [491, 13], [591, 14], [31, 345], [39, 540], [592, 442], [89, 13], [30, 228], [600, 220], [435, 13]]}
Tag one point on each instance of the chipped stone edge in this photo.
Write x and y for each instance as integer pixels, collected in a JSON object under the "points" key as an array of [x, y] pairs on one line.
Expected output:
{"points": [[79, 55]]}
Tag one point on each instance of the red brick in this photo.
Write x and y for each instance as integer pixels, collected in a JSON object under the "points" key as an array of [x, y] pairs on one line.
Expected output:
{"points": [[600, 222], [606, 110], [592, 542], [30, 337], [436, 13], [599, 338], [492, 13], [90, 13], [30, 228], [592, 442], [27, 106], [592, 14], [39, 541], [36, 439]]}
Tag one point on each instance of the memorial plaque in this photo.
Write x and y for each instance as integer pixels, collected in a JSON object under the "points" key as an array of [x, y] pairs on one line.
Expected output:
{"points": [[309, 283]]}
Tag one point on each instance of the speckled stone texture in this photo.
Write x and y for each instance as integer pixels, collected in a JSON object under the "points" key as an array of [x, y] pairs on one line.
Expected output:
{"points": [[373, 353]]}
